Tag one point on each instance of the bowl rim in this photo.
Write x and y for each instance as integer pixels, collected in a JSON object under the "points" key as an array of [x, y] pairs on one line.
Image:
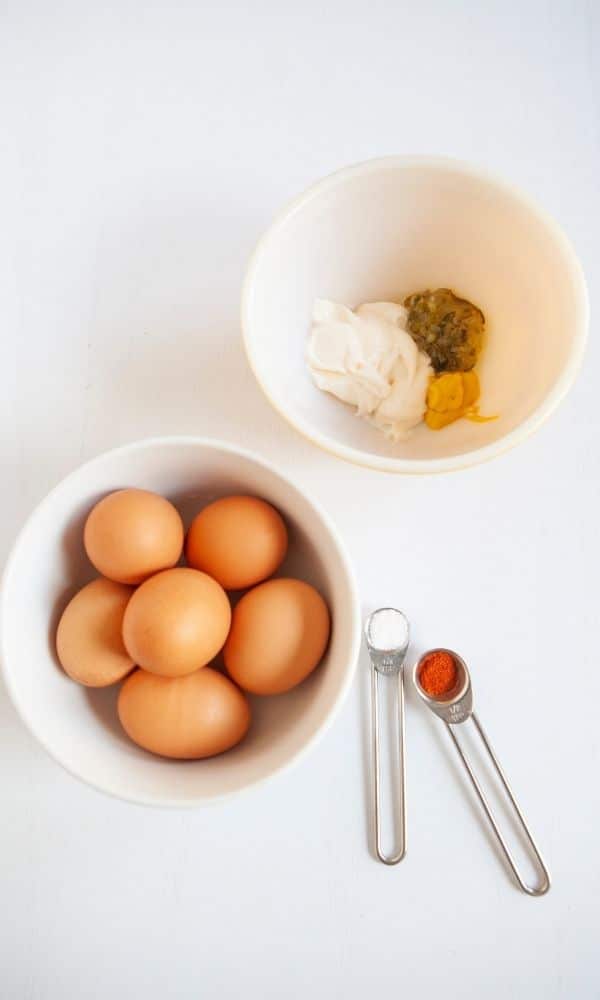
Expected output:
{"points": [[414, 466], [347, 570]]}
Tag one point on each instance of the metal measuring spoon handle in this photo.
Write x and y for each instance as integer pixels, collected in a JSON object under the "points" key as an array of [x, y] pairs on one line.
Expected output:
{"points": [[387, 637], [454, 709]]}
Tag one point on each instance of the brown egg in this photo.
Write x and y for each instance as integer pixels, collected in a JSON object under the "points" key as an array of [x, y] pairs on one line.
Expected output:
{"points": [[278, 635], [176, 622], [238, 540], [131, 534], [186, 717], [89, 641]]}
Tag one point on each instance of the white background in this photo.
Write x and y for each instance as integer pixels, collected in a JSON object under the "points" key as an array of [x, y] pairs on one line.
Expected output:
{"points": [[145, 146]]}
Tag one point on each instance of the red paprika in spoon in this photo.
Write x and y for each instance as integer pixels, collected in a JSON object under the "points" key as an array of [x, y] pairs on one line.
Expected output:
{"points": [[438, 674]]}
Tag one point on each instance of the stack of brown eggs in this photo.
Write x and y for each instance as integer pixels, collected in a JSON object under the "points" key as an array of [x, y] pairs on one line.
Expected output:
{"points": [[158, 624]]}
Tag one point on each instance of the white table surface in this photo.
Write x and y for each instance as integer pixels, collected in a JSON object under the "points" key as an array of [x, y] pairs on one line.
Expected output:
{"points": [[144, 149]]}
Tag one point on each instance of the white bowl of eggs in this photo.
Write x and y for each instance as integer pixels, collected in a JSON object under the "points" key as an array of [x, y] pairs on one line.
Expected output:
{"points": [[337, 283], [179, 622]]}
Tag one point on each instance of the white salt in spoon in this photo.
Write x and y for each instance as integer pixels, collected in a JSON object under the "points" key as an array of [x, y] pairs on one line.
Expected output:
{"points": [[387, 636]]}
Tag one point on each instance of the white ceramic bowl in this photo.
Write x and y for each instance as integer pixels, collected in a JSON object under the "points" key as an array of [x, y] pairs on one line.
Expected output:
{"points": [[388, 227], [78, 726]]}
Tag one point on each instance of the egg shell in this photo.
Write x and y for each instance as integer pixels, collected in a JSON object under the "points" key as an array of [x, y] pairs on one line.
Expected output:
{"points": [[238, 540], [176, 622], [279, 633], [89, 642], [131, 534], [199, 715]]}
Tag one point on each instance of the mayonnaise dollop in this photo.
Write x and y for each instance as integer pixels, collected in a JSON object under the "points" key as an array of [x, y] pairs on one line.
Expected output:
{"points": [[367, 358]]}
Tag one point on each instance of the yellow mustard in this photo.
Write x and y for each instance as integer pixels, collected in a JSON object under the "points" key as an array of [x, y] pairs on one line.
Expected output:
{"points": [[451, 396]]}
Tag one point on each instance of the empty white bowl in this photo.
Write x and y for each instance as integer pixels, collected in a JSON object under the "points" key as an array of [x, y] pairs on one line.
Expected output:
{"points": [[388, 227], [79, 726]]}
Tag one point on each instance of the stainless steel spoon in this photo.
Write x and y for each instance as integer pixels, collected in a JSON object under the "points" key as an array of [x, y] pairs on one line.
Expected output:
{"points": [[455, 708], [387, 636]]}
